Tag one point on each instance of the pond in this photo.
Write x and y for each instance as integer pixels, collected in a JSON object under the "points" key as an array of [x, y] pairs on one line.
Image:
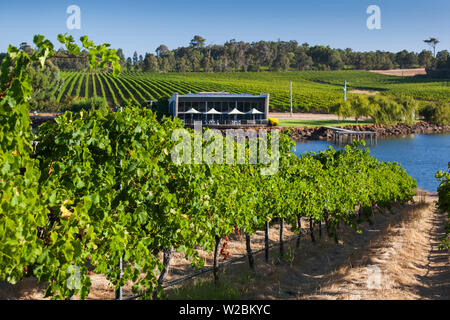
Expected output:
{"points": [[420, 154]]}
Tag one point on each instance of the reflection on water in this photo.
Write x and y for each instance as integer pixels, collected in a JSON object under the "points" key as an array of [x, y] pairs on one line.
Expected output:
{"points": [[421, 155]]}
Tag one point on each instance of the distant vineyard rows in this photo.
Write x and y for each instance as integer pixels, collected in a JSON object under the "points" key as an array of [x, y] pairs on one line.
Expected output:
{"points": [[312, 91]]}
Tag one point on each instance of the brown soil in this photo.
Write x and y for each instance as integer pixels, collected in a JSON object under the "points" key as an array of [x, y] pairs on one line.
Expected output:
{"points": [[401, 72], [405, 255], [44, 114], [402, 246]]}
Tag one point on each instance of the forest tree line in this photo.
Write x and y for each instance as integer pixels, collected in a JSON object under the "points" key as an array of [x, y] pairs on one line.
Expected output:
{"points": [[239, 56]]}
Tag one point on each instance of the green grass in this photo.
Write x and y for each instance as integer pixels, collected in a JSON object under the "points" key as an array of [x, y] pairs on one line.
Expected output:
{"points": [[206, 290], [320, 123]]}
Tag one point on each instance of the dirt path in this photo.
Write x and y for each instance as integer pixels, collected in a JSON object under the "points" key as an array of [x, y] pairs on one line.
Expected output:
{"points": [[396, 258], [402, 262], [304, 116]]}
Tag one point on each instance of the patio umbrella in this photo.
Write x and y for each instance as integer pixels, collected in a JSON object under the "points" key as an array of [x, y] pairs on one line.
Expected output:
{"points": [[192, 111], [213, 112], [253, 112], [235, 111]]}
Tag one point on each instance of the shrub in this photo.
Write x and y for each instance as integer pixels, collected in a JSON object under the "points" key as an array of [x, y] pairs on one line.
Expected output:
{"points": [[382, 109], [161, 108], [273, 121], [390, 110], [438, 113], [442, 113], [410, 107], [342, 109], [360, 107]]}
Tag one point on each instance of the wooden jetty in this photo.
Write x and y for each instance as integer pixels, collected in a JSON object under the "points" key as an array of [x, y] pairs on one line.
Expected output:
{"points": [[342, 136]]}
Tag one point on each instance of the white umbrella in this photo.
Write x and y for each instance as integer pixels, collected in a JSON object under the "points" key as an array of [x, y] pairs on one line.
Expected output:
{"points": [[191, 111], [213, 112], [235, 111], [253, 112]]}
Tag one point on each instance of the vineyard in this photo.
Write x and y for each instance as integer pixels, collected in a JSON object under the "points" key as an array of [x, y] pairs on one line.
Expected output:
{"points": [[102, 194], [312, 90]]}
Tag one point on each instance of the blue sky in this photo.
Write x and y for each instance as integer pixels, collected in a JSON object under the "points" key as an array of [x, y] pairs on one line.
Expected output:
{"points": [[143, 25]]}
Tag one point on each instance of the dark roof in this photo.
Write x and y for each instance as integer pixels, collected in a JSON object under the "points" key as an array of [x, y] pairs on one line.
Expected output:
{"points": [[221, 95]]}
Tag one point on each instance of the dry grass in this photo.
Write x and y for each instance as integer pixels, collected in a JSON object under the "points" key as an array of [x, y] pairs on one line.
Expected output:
{"points": [[402, 246], [368, 92], [401, 72], [405, 255], [180, 267]]}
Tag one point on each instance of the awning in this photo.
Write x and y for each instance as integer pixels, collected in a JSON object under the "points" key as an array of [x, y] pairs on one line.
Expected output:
{"points": [[191, 111], [213, 111], [235, 111]]}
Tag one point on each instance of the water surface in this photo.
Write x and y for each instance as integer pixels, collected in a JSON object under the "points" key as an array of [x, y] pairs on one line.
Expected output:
{"points": [[420, 154]]}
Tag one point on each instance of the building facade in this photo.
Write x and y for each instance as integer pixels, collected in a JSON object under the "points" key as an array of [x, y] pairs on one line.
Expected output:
{"points": [[220, 108]]}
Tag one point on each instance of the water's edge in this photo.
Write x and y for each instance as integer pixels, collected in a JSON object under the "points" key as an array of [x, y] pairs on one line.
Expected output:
{"points": [[420, 154]]}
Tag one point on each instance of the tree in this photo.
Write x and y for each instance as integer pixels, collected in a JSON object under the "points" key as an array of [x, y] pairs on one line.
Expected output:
{"points": [[135, 58], [121, 56], [182, 65], [406, 59], [342, 109], [2, 56], [164, 65], [282, 62], [197, 42], [409, 107], [360, 107], [303, 61], [385, 110], [278, 55], [335, 61], [426, 58], [24, 46], [161, 51], [150, 63], [129, 64], [432, 42], [443, 60]]}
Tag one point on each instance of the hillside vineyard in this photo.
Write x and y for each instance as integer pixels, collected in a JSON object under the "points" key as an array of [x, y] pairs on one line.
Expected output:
{"points": [[312, 90]]}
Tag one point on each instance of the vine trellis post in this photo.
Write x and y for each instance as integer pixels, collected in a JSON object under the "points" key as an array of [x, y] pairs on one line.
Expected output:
{"points": [[266, 241], [119, 293]]}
